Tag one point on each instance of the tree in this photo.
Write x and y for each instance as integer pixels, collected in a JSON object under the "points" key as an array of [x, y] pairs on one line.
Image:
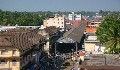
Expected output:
{"points": [[109, 33], [23, 18]]}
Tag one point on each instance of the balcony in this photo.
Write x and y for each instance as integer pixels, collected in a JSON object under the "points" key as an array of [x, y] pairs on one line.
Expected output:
{"points": [[4, 64]]}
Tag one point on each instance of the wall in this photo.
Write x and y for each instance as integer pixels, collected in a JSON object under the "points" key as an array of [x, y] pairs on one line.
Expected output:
{"points": [[90, 47], [9, 52], [8, 56], [56, 21]]}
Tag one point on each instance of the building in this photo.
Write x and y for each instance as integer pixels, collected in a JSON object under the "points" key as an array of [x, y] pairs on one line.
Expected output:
{"points": [[9, 56], [17, 47], [74, 16], [101, 62], [76, 23], [92, 44], [48, 33], [72, 39], [57, 21], [5, 28]]}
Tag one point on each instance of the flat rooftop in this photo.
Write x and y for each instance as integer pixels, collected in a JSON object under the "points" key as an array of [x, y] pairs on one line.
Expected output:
{"points": [[102, 60]]}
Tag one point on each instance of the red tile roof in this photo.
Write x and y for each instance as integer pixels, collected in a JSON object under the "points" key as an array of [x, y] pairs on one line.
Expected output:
{"points": [[91, 29], [75, 23]]}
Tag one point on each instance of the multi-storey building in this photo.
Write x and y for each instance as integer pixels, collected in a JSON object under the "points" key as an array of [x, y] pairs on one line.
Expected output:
{"points": [[17, 48], [58, 21], [9, 56], [74, 16]]}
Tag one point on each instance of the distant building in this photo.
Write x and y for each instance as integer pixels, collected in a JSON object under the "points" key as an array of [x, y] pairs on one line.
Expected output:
{"points": [[92, 27], [57, 21], [74, 16], [91, 43], [78, 17]]}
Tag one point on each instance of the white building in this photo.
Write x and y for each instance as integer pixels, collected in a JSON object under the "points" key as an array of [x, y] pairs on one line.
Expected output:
{"points": [[78, 17], [74, 16], [93, 45]]}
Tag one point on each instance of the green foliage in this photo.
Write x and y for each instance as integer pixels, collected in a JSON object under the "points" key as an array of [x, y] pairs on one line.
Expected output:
{"points": [[36, 18], [23, 18], [109, 33]]}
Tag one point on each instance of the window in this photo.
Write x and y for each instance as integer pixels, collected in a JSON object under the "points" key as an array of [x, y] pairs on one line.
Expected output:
{"points": [[58, 22], [14, 62], [14, 52], [62, 22], [92, 23], [2, 52], [58, 19], [2, 62]]}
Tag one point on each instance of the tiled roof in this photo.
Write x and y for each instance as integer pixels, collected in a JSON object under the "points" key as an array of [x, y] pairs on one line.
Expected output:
{"points": [[91, 29], [50, 30], [4, 41], [76, 23], [78, 32], [74, 34], [21, 40]]}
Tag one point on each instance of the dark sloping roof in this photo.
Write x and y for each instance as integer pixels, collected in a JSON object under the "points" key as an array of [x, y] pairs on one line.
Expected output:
{"points": [[78, 32], [74, 34], [68, 26], [4, 41], [21, 40], [52, 29]]}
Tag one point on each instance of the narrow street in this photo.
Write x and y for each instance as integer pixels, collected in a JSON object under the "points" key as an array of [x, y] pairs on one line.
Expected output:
{"points": [[61, 65]]}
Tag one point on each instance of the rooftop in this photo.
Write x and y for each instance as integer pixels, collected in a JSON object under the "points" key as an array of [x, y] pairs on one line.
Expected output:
{"points": [[21, 39], [102, 60], [91, 29], [76, 23], [91, 39]]}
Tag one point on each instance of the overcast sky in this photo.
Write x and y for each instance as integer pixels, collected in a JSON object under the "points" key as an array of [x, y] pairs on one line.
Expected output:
{"points": [[60, 5]]}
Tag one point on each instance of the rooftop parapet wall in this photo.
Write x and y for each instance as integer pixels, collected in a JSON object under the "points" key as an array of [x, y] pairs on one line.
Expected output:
{"points": [[102, 60]]}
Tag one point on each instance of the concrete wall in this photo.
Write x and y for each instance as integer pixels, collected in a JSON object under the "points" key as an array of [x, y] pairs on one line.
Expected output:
{"points": [[9, 52], [10, 58], [90, 47], [56, 21]]}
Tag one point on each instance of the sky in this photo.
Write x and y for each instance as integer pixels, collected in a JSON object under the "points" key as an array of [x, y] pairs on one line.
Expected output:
{"points": [[60, 5]]}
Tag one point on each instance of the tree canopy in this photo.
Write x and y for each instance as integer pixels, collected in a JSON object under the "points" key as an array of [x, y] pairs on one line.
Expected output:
{"points": [[23, 18], [109, 33], [36, 18]]}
